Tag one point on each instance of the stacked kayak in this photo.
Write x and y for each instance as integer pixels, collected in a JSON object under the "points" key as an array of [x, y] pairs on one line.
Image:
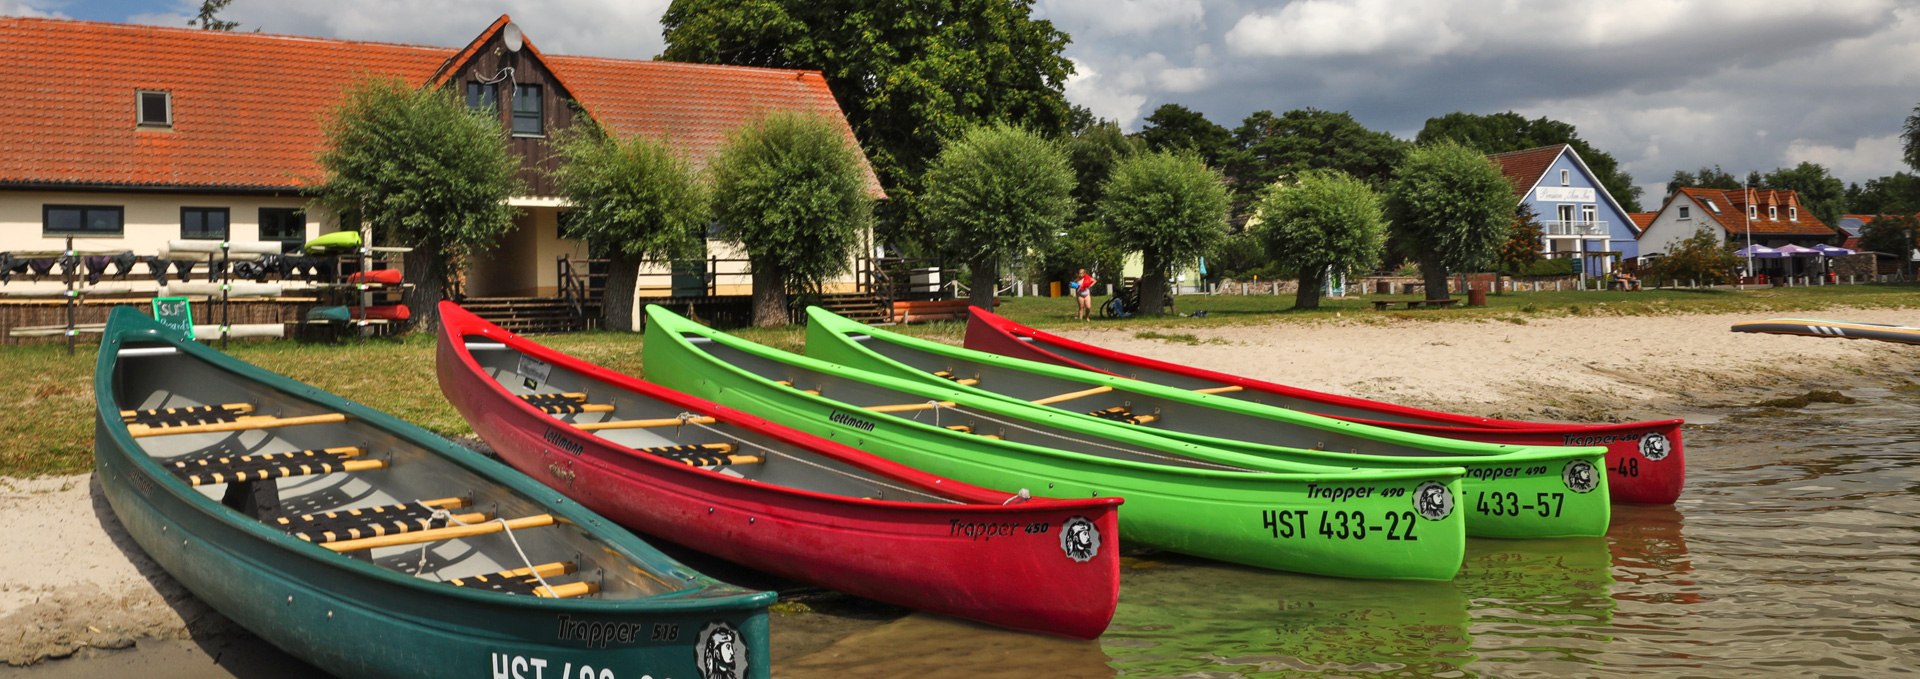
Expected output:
{"points": [[733, 485], [1247, 509], [1645, 463], [1510, 491], [371, 548]]}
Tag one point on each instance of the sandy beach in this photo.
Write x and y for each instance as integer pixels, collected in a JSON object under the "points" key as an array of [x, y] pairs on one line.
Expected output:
{"points": [[70, 579]]}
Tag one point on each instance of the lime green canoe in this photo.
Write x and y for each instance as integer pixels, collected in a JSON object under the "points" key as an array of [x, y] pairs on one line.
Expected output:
{"points": [[1359, 523], [1510, 491]]}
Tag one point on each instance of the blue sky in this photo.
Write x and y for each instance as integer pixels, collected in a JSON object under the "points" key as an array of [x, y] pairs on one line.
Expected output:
{"points": [[1663, 85]]}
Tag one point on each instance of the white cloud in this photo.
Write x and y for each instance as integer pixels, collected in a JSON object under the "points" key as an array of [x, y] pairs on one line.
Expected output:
{"points": [[1345, 27], [1868, 157], [1108, 97], [1123, 17], [30, 8]]}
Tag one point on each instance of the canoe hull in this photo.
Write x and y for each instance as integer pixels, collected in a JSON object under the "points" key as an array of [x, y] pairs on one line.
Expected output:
{"points": [[1339, 525], [1002, 565], [1645, 461]]}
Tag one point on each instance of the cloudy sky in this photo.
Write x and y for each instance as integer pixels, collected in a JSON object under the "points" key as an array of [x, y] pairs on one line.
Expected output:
{"points": [[1661, 84]]}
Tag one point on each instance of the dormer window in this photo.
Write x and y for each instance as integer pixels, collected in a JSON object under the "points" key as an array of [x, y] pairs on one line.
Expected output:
{"points": [[1793, 213], [153, 108], [1753, 212], [1773, 213], [1566, 178]]}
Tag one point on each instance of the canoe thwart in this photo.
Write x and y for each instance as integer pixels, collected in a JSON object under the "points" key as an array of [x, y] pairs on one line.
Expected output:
{"points": [[909, 407], [174, 417], [236, 424], [353, 524], [703, 455], [238, 468], [1228, 389], [565, 403], [522, 581], [1124, 414], [963, 381], [643, 424], [438, 534], [1071, 395]]}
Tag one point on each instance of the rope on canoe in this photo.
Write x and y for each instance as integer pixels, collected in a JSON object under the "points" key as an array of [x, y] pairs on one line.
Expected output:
{"points": [[695, 420], [938, 406], [441, 514]]}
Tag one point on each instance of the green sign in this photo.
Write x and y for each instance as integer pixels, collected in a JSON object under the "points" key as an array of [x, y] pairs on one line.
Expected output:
{"points": [[174, 313]]}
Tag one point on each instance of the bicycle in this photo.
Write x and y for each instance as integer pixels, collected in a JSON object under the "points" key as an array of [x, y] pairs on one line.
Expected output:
{"points": [[1127, 301]]}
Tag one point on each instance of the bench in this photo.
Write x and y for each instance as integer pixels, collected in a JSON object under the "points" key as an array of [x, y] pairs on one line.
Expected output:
{"points": [[1384, 304]]}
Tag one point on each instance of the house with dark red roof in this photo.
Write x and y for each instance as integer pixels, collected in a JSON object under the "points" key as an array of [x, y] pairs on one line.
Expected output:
{"points": [[131, 136], [1580, 220], [1738, 217]]}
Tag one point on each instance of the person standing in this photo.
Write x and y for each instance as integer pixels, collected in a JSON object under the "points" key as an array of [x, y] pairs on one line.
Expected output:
{"points": [[1083, 294]]}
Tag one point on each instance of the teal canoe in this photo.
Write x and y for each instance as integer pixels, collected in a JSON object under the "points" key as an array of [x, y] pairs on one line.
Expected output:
{"points": [[1511, 491], [372, 548], [1358, 523]]}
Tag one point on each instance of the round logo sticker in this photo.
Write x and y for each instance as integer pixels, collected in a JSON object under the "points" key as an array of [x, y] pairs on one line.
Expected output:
{"points": [[1579, 476], [1655, 446], [721, 652], [1433, 500], [1080, 539]]}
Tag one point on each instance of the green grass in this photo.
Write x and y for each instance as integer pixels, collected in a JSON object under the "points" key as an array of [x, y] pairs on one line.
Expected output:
{"points": [[50, 430]]}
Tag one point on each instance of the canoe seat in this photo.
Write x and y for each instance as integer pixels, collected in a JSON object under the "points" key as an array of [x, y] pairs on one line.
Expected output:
{"points": [[239, 468], [1123, 414], [160, 418], [353, 524], [487, 527], [236, 423], [703, 455], [567, 403], [949, 376], [521, 581]]}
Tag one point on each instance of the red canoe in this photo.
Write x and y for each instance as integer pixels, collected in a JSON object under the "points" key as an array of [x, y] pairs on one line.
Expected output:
{"points": [[730, 484], [1644, 458]]}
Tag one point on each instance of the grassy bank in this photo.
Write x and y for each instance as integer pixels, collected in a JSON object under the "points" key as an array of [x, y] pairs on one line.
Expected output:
{"points": [[51, 431]]}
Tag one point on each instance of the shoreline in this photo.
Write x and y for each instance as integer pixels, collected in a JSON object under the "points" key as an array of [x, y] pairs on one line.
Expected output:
{"points": [[72, 580]]}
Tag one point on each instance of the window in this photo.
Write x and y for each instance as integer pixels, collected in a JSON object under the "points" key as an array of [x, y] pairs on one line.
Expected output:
{"points": [[526, 111], [1793, 213], [1684, 212], [284, 224], [1566, 178], [203, 223], [1753, 212], [1589, 215], [1773, 213], [82, 220], [155, 109], [482, 95], [1712, 206]]}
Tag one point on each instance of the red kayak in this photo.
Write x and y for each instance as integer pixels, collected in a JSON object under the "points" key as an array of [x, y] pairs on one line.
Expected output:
{"points": [[730, 484], [1644, 458]]}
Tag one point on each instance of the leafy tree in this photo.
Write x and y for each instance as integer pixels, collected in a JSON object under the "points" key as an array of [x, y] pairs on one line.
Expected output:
{"points": [[997, 192], [910, 75], [1820, 193], [1173, 127], [1327, 223], [1910, 140], [1700, 257], [1171, 209], [1894, 194], [424, 171], [1509, 131], [1522, 248], [1451, 210], [207, 18], [1269, 148], [635, 198], [790, 190], [1092, 153], [1891, 234], [1705, 178]]}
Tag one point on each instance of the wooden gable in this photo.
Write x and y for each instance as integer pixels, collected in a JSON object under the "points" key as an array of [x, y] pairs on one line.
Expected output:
{"points": [[486, 62]]}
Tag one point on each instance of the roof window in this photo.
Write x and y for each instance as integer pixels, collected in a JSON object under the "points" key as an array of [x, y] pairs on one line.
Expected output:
{"points": [[1753, 212], [153, 108], [1712, 206], [1773, 213], [1793, 213]]}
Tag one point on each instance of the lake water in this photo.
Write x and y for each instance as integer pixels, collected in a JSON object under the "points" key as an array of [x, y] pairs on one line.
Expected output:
{"points": [[1794, 551]]}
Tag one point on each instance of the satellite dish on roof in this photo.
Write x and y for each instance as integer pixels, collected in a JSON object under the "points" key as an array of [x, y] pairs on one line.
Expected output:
{"points": [[512, 37]]}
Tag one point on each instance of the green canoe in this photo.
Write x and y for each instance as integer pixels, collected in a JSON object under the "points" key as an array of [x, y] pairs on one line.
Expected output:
{"points": [[372, 548], [1180, 497], [1510, 491]]}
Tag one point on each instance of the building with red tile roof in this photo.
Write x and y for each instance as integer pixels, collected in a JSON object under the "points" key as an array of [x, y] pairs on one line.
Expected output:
{"points": [[1738, 217], [1579, 218], [126, 131]]}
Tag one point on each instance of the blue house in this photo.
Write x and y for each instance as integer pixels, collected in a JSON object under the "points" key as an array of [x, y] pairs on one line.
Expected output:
{"points": [[1579, 219]]}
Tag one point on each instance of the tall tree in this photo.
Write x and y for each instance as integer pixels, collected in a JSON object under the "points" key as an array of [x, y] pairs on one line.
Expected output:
{"points": [[910, 75], [208, 19], [1327, 223], [790, 190], [1820, 193], [1894, 194], [997, 192], [1910, 140], [1269, 147], [1700, 257], [635, 198], [1452, 209], [1171, 209], [1173, 127], [1092, 153], [424, 171], [1704, 178], [1510, 131]]}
